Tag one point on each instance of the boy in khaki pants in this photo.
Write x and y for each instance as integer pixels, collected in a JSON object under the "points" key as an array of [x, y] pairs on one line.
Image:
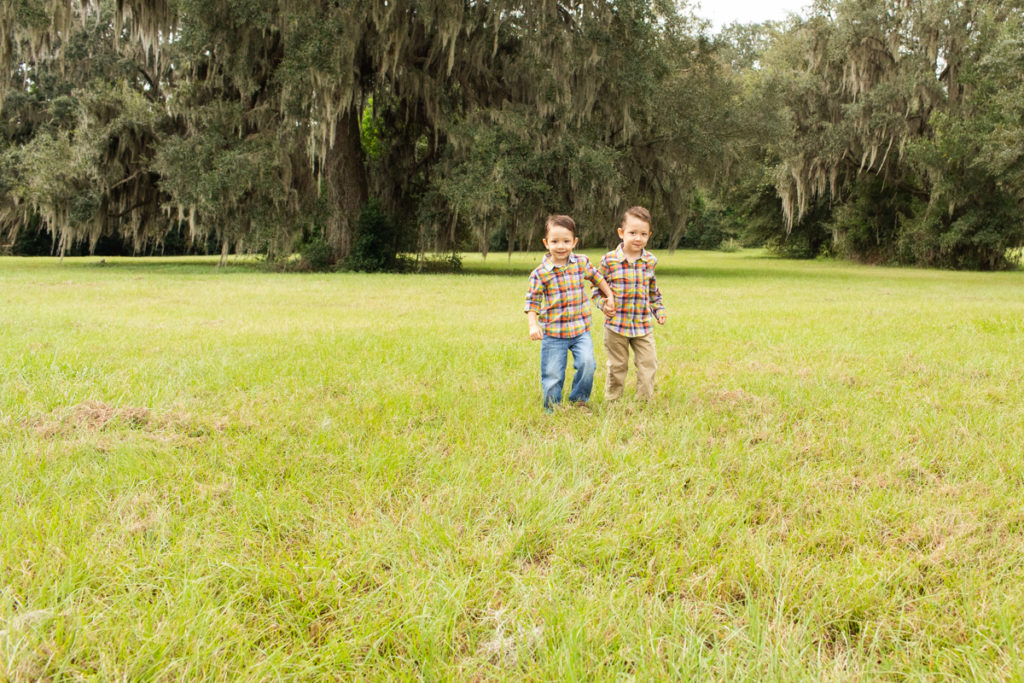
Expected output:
{"points": [[629, 270]]}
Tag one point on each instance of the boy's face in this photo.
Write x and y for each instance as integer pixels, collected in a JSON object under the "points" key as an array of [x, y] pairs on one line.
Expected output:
{"points": [[560, 242], [634, 234]]}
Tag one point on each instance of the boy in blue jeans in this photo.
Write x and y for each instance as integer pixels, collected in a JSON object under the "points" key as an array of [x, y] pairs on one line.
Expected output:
{"points": [[558, 313]]}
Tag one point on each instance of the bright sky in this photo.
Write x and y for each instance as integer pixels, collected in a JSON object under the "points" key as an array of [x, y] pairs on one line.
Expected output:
{"points": [[722, 12]]}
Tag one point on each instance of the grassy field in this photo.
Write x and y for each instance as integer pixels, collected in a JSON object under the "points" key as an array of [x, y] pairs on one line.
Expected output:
{"points": [[245, 476]]}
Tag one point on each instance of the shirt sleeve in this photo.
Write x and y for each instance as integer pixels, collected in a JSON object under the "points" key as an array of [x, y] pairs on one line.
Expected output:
{"points": [[535, 295], [591, 273], [598, 296], [654, 294]]}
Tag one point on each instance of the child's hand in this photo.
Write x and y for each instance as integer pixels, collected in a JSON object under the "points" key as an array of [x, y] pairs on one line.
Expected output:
{"points": [[535, 333], [661, 319], [608, 308]]}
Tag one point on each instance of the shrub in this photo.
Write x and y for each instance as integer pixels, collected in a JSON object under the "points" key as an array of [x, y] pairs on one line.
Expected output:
{"points": [[730, 245], [376, 241], [439, 263], [315, 253]]}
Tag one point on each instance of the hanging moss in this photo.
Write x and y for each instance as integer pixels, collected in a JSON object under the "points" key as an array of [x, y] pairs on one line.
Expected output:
{"points": [[236, 118]]}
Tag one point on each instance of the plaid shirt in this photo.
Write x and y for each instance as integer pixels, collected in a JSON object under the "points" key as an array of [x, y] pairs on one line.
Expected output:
{"points": [[637, 296], [556, 294]]}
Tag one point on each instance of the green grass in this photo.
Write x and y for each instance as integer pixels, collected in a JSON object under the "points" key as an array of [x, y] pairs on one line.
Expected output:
{"points": [[248, 476]]}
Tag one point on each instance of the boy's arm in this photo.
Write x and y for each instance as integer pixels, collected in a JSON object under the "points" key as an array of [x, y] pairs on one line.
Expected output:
{"points": [[534, 300], [608, 307], [536, 333], [654, 297], [596, 294], [602, 295]]}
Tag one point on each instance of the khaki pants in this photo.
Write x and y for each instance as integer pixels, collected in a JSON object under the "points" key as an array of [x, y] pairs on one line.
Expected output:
{"points": [[644, 356]]}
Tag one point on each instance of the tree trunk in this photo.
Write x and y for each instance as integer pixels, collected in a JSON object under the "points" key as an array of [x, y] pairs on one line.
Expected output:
{"points": [[513, 230], [345, 179], [482, 239], [677, 216]]}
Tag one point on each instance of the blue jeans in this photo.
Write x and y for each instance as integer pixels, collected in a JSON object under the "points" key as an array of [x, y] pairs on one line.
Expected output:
{"points": [[553, 361]]}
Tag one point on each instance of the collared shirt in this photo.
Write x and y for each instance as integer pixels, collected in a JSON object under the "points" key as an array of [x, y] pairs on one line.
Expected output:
{"points": [[637, 296], [556, 294]]}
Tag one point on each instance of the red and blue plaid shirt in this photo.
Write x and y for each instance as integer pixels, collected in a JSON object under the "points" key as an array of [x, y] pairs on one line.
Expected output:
{"points": [[556, 294], [637, 296]]}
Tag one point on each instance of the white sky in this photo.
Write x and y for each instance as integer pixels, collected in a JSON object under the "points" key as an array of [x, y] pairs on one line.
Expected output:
{"points": [[722, 12]]}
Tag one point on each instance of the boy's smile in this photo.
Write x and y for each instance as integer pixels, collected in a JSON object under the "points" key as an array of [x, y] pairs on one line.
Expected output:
{"points": [[560, 242]]}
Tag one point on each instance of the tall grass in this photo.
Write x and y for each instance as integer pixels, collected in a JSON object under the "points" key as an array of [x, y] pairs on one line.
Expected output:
{"points": [[247, 476]]}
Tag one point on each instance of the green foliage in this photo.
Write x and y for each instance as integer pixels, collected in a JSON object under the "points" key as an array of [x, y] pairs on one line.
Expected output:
{"points": [[708, 226], [974, 161], [810, 238], [467, 122], [438, 263], [31, 240], [730, 245], [370, 133], [891, 131], [82, 132], [377, 240], [315, 253], [502, 184], [979, 237], [229, 184], [869, 224], [898, 115]]}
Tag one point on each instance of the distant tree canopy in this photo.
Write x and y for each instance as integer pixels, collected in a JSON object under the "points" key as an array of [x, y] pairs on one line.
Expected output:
{"points": [[880, 130], [260, 122], [905, 118]]}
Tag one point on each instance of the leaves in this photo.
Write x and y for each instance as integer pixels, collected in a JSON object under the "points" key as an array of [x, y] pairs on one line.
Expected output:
{"points": [[900, 93]]}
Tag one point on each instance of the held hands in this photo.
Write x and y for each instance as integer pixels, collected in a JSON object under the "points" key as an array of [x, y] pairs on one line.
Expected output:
{"points": [[608, 308]]}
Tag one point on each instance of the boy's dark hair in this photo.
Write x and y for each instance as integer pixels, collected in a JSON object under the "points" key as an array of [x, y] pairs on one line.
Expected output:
{"points": [[562, 222], [638, 212]]}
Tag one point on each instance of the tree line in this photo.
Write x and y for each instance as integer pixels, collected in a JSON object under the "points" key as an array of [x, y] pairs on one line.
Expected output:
{"points": [[355, 131]]}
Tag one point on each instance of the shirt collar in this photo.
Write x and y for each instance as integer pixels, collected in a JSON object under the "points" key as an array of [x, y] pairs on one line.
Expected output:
{"points": [[549, 265], [620, 256]]}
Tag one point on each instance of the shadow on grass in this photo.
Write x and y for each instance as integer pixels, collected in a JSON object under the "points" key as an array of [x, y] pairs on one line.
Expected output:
{"points": [[753, 273], [700, 266], [198, 264], [759, 268]]}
